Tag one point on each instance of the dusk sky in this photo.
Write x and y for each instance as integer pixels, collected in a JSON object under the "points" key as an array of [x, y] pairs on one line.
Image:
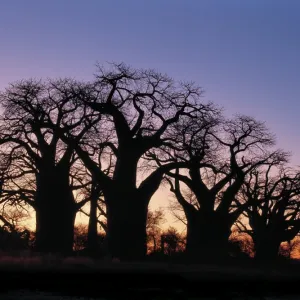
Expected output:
{"points": [[245, 54]]}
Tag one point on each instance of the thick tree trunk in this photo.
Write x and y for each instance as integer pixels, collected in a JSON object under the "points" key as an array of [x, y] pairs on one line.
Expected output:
{"points": [[207, 237], [267, 248], [127, 209], [126, 224], [55, 212]]}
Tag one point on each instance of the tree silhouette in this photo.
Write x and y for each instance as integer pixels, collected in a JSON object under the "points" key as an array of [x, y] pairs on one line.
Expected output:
{"points": [[97, 211], [274, 210], [13, 236], [81, 243], [96, 214], [13, 217], [139, 108], [232, 151], [171, 242], [153, 226], [36, 153]]}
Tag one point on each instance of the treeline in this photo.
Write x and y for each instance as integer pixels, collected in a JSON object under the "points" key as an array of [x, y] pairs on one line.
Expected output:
{"points": [[109, 145], [162, 245]]}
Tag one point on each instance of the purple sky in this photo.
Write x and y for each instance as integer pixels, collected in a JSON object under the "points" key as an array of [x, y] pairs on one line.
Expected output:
{"points": [[245, 54]]}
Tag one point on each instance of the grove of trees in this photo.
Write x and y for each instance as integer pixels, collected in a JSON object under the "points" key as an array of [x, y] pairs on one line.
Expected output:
{"points": [[109, 145]]}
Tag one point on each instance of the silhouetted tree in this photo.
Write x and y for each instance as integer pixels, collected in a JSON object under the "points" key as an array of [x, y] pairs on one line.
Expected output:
{"points": [[13, 236], [97, 209], [81, 242], [139, 109], [230, 152], [153, 226], [274, 210], [36, 152], [171, 241], [14, 241], [80, 237], [97, 217], [12, 217]]}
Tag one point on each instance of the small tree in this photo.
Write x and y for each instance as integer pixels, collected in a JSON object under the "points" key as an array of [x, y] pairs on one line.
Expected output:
{"points": [[81, 240], [154, 221], [172, 241]]}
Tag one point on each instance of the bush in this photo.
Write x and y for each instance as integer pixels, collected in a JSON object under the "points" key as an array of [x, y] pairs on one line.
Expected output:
{"points": [[18, 240]]}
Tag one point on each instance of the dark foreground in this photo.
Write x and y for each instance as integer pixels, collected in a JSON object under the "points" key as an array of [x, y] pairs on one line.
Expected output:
{"points": [[100, 280]]}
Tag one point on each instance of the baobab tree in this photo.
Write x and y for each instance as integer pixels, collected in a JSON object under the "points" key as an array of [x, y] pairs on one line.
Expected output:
{"points": [[37, 154], [274, 210], [237, 147], [140, 108]]}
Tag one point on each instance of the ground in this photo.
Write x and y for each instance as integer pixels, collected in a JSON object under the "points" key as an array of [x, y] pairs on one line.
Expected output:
{"points": [[189, 272]]}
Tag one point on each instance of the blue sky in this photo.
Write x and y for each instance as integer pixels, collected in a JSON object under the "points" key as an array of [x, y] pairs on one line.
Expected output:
{"points": [[245, 54]]}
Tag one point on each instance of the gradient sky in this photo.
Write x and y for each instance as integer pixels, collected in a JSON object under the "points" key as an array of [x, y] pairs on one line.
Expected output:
{"points": [[245, 54]]}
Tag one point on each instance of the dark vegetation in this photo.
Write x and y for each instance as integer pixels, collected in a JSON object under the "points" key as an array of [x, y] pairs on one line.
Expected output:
{"points": [[103, 148]]}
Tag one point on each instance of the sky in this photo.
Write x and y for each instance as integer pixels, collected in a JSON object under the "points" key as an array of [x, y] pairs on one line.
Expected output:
{"points": [[244, 54]]}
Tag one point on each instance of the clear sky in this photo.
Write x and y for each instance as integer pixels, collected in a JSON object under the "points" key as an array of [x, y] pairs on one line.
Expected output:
{"points": [[245, 54]]}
